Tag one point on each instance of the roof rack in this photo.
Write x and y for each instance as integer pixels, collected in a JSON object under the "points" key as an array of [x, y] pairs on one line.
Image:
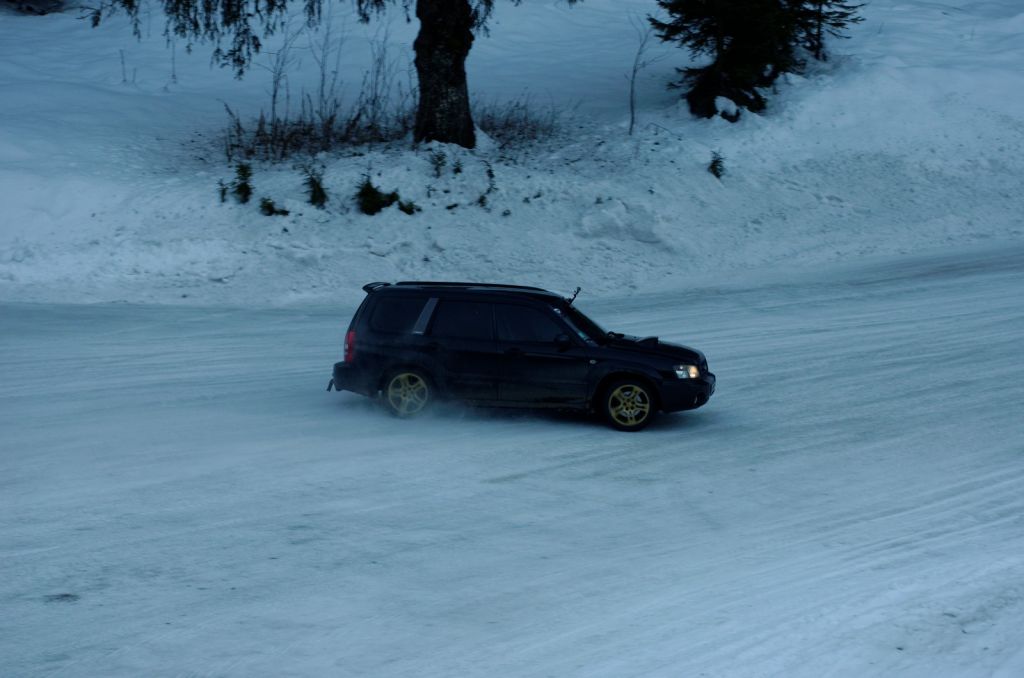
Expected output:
{"points": [[436, 283]]}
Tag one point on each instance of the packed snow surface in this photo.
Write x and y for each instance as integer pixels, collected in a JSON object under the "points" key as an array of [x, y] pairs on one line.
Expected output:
{"points": [[179, 496]]}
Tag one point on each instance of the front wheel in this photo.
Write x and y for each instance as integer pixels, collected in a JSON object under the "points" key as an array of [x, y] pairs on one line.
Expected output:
{"points": [[628, 404], [407, 392]]}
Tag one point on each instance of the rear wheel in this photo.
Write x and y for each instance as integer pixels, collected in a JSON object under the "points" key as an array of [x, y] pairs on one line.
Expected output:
{"points": [[628, 404], [407, 392]]}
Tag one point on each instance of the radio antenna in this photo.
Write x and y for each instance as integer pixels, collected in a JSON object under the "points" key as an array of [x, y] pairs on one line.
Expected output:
{"points": [[574, 295]]}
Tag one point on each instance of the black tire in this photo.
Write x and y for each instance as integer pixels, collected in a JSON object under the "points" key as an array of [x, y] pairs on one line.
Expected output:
{"points": [[627, 404], [407, 392]]}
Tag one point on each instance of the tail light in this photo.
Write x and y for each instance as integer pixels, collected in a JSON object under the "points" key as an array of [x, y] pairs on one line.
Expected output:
{"points": [[350, 346]]}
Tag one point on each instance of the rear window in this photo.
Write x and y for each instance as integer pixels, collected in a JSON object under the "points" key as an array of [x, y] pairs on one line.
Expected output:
{"points": [[396, 315], [462, 320]]}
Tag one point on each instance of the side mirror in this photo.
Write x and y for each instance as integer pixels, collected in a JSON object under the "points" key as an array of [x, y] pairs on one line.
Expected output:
{"points": [[563, 342]]}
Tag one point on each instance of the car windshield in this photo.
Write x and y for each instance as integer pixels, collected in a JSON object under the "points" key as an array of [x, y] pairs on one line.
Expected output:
{"points": [[584, 326]]}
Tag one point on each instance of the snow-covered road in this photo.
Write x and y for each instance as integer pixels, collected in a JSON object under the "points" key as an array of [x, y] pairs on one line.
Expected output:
{"points": [[179, 496]]}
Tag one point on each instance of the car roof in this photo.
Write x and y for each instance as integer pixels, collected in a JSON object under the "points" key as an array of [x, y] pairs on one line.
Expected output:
{"points": [[472, 287]]}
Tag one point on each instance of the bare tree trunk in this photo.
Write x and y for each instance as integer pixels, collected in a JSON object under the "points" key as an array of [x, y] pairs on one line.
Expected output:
{"points": [[443, 43], [819, 36]]}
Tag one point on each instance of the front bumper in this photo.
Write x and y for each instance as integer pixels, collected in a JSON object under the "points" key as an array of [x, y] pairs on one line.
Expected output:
{"points": [[686, 394]]}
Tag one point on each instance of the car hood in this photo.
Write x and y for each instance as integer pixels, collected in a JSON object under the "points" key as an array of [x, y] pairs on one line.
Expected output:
{"points": [[654, 347]]}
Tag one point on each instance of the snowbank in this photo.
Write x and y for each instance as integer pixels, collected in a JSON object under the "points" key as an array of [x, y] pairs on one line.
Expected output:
{"points": [[910, 139]]}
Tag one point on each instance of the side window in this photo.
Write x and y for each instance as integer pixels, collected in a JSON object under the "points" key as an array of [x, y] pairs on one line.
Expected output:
{"points": [[575, 327], [462, 320], [396, 315], [526, 324]]}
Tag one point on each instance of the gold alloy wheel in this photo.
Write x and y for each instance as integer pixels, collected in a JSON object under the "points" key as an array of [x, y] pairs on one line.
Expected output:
{"points": [[629, 405], [407, 394]]}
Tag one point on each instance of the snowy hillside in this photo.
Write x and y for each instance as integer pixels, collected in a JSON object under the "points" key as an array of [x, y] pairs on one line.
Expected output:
{"points": [[911, 139]]}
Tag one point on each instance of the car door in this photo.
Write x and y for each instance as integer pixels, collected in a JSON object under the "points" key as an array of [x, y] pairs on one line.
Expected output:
{"points": [[461, 336], [544, 364]]}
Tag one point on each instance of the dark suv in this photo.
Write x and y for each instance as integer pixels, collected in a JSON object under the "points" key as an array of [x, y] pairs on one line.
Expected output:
{"points": [[507, 345]]}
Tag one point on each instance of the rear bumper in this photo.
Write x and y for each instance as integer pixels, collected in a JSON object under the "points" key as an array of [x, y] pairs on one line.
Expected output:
{"points": [[345, 377], [686, 394]]}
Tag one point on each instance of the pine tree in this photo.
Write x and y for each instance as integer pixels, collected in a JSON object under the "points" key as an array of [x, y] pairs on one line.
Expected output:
{"points": [[818, 18], [751, 42], [236, 28]]}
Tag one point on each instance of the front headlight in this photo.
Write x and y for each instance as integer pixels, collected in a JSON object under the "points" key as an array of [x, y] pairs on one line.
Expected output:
{"points": [[687, 371]]}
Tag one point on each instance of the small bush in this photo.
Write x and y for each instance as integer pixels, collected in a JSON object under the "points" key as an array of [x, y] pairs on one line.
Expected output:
{"points": [[268, 208], [222, 190], [518, 121], [371, 199], [437, 161], [457, 167], [383, 111], [409, 207], [242, 186], [314, 183], [717, 166], [492, 183]]}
